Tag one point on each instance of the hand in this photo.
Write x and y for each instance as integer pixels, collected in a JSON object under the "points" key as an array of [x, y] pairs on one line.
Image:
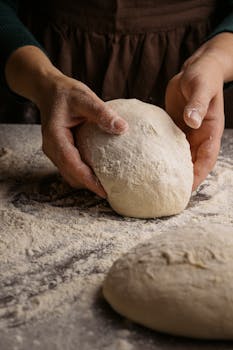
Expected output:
{"points": [[69, 103], [194, 99], [64, 103]]}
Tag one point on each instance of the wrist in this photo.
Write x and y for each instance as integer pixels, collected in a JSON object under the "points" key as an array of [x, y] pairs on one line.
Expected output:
{"points": [[45, 85], [28, 73], [220, 50]]}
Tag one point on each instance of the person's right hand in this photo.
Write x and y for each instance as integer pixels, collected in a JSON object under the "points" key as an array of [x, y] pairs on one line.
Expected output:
{"points": [[69, 103], [64, 103]]}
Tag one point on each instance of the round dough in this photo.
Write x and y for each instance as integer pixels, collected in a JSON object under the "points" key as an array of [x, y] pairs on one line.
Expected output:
{"points": [[147, 172], [181, 282]]}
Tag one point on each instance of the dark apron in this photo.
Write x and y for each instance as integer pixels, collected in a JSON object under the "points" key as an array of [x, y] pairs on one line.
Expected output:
{"points": [[119, 48]]}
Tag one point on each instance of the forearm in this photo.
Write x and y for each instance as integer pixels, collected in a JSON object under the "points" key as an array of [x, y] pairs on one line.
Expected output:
{"points": [[29, 72], [13, 35]]}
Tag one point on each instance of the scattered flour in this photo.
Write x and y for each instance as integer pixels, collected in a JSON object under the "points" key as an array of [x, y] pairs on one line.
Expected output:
{"points": [[57, 244], [120, 344]]}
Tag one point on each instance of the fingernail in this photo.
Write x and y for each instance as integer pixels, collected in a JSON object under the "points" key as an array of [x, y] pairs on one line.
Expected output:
{"points": [[120, 125], [195, 117]]}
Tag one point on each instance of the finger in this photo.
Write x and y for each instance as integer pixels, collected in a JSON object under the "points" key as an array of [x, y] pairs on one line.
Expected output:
{"points": [[99, 113], [66, 157], [197, 106], [85, 177], [206, 157]]}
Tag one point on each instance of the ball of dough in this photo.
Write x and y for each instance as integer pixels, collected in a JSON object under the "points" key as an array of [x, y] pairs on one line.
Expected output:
{"points": [[181, 282], [147, 172]]}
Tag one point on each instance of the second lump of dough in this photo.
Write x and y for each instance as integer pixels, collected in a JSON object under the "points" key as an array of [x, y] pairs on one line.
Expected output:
{"points": [[179, 282], [147, 172]]}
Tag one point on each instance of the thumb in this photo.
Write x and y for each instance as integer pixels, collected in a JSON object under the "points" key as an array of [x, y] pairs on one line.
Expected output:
{"points": [[109, 120], [98, 112], [197, 106]]}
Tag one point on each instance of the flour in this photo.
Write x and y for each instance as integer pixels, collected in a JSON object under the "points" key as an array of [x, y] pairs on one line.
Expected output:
{"points": [[57, 244]]}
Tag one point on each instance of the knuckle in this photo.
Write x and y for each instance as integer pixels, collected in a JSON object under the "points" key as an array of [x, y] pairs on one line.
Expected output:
{"points": [[187, 80], [174, 81], [98, 108], [189, 61], [82, 87], [101, 114], [194, 82]]}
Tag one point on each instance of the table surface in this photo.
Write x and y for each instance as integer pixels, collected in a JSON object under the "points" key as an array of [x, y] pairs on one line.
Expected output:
{"points": [[57, 245]]}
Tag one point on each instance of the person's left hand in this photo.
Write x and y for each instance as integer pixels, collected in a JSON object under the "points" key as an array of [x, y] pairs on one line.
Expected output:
{"points": [[194, 99]]}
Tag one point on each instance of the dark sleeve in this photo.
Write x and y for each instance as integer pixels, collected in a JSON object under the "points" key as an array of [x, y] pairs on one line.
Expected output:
{"points": [[226, 24], [13, 34]]}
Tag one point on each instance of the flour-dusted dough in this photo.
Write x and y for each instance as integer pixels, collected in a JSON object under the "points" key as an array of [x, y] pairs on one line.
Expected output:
{"points": [[180, 282], [146, 172]]}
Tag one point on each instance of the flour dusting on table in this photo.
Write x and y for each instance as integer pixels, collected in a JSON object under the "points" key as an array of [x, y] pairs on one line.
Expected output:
{"points": [[57, 244]]}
